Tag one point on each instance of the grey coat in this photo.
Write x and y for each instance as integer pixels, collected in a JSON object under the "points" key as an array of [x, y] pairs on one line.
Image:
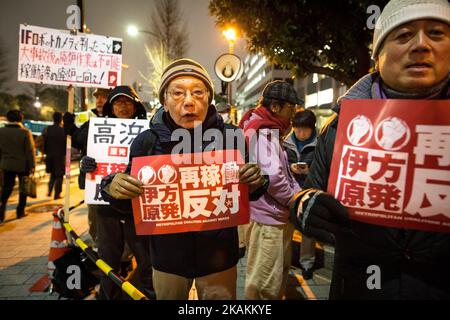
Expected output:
{"points": [[17, 151]]}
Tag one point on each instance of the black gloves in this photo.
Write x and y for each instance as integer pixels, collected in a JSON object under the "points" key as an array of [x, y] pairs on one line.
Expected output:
{"points": [[69, 123], [87, 164], [320, 215]]}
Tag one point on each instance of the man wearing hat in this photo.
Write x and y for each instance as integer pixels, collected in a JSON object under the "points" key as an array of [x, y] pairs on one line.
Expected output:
{"points": [[115, 229], [112, 232], [269, 232], [411, 50], [209, 257], [101, 97], [224, 109]]}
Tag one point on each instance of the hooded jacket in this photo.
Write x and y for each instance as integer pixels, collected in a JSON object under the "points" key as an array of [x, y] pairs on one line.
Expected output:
{"points": [[189, 254], [414, 264], [80, 136]]}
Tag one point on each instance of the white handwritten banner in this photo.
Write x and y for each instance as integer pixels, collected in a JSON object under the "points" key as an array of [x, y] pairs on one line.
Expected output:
{"points": [[57, 57], [391, 163], [109, 142]]}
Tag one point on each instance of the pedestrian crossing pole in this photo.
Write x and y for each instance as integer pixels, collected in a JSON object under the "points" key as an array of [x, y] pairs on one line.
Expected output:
{"points": [[71, 96]]}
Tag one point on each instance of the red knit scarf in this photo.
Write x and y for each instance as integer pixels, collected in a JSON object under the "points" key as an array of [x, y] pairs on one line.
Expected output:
{"points": [[267, 120]]}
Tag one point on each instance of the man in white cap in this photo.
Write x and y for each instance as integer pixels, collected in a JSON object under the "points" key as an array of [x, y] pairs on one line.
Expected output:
{"points": [[209, 257], [411, 48]]}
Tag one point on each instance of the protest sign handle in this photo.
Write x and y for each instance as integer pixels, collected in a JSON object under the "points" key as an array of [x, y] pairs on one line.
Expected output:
{"points": [[71, 92]]}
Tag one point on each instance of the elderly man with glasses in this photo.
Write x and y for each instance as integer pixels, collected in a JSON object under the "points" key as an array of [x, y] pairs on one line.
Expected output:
{"points": [[209, 257]]}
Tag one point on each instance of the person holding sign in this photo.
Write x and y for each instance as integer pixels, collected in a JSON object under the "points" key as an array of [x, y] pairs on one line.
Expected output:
{"points": [[79, 141], [116, 229], [411, 49], [209, 257]]}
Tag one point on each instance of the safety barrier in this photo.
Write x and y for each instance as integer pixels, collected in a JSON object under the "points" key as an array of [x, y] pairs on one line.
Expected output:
{"points": [[126, 286]]}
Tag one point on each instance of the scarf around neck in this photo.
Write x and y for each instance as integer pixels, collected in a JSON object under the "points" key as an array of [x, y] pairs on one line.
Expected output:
{"points": [[440, 90], [265, 120]]}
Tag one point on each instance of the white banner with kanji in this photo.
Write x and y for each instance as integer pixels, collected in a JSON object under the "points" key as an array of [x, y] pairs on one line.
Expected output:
{"points": [[109, 142], [391, 163], [57, 57]]}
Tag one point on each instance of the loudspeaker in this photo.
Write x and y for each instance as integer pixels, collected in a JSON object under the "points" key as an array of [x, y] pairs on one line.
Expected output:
{"points": [[228, 67]]}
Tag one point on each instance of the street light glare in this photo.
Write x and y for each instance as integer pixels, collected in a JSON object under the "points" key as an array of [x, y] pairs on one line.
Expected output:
{"points": [[133, 31], [230, 34]]}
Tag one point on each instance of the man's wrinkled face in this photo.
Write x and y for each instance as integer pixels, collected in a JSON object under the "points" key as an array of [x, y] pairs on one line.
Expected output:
{"points": [[100, 101], [123, 107], [186, 100], [415, 56]]}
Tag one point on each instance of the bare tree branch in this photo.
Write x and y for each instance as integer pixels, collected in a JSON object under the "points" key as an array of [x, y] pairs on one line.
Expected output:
{"points": [[171, 40]]}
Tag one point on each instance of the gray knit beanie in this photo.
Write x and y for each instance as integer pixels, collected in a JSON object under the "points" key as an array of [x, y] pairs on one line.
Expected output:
{"points": [[185, 67], [398, 12]]}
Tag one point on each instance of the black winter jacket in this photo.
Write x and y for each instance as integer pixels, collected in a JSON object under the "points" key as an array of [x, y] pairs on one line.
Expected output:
{"points": [[55, 149], [17, 152], [189, 254], [414, 264]]}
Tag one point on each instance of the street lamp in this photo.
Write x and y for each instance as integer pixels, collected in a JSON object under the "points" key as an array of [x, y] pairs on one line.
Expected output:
{"points": [[37, 104], [134, 31], [230, 35]]}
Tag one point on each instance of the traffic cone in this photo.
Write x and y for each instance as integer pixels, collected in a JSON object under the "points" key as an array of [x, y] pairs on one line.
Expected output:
{"points": [[58, 244], [58, 247]]}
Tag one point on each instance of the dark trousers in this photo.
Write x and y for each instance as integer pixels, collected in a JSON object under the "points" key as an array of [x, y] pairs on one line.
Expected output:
{"points": [[56, 181], [92, 222], [112, 233], [9, 179]]}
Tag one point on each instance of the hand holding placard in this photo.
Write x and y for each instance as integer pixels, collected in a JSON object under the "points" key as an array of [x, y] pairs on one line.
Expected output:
{"points": [[124, 186], [250, 174]]}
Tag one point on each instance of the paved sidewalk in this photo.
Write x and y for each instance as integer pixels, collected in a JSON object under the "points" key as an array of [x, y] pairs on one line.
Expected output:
{"points": [[24, 248], [25, 243]]}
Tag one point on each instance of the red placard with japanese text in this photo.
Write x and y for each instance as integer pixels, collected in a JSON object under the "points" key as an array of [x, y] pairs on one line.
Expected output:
{"points": [[189, 192], [391, 163]]}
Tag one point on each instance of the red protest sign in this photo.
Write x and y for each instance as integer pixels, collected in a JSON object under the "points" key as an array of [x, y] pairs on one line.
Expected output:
{"points": [[189, 192], [391, 163]]}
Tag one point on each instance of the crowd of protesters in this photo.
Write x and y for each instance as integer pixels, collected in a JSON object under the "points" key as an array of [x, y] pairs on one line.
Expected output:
{"points": [[287, 191]]}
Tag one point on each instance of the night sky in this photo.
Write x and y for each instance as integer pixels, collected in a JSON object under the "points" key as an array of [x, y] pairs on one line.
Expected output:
{"points": [[106, 17]]}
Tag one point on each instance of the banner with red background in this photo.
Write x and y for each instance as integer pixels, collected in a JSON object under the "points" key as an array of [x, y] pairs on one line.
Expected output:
{"points": [[201, 191], [391, 163]]}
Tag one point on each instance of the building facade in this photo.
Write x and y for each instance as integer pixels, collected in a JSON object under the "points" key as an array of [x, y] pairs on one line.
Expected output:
{"points": [[319, 92]]}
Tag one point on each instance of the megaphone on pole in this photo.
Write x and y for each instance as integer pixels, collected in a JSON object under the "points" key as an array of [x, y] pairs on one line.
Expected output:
{"points": [[228, 67]]}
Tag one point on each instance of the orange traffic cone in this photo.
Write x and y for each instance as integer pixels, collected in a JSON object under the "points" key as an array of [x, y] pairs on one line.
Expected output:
{"points": [[58, 244]]}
